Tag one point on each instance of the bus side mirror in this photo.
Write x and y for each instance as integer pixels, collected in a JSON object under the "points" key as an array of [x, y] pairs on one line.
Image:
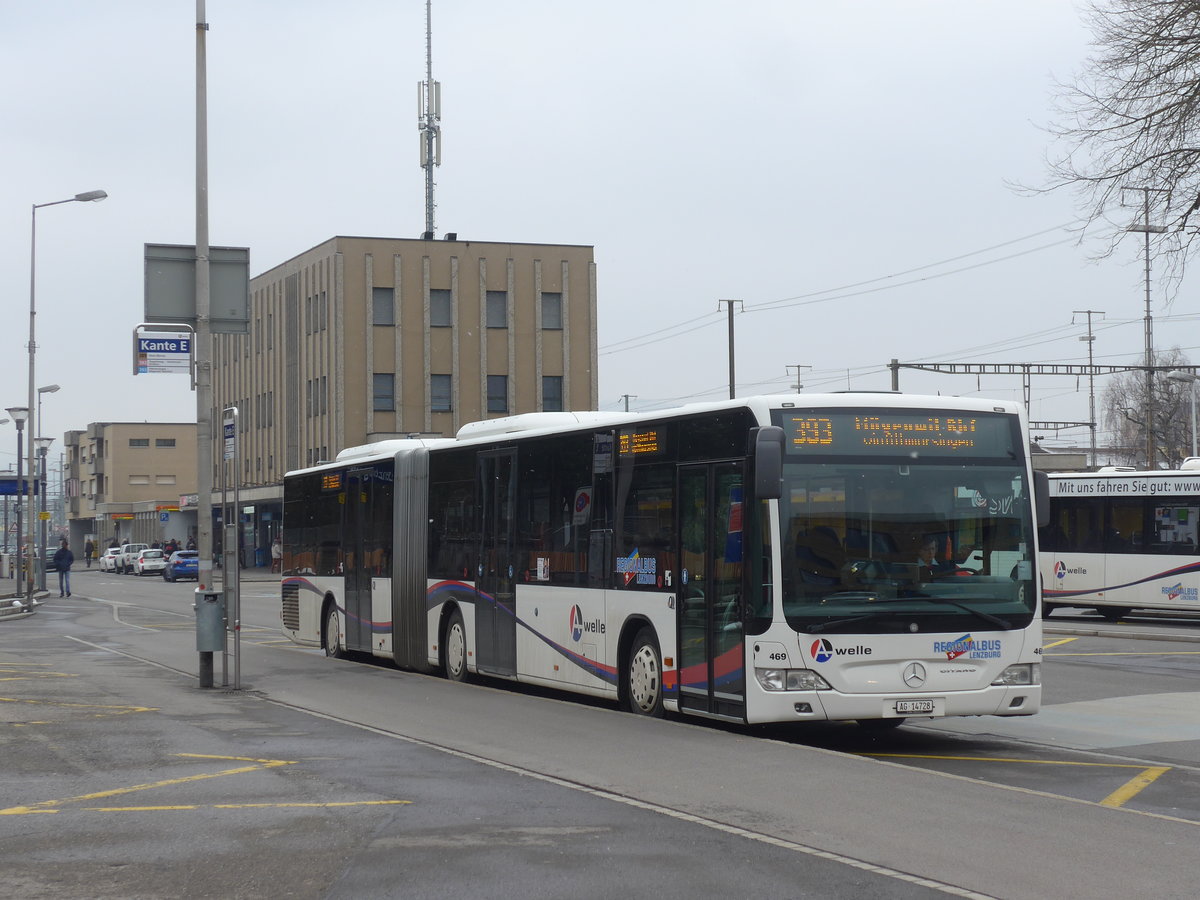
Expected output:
{"points": [[1041, 498], [768, 462]]}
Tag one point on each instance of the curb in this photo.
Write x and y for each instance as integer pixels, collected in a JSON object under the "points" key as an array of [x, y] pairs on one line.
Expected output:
{"points": [[1140, 635], [13, 607]]}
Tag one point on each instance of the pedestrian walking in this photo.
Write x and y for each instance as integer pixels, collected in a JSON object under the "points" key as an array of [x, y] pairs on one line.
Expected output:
{"points": [[276, 555], [63, 557], [88, 549]]}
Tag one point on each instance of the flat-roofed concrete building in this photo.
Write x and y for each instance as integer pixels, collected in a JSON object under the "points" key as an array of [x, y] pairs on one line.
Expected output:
{"points": [[360, 339], [125, 480]]}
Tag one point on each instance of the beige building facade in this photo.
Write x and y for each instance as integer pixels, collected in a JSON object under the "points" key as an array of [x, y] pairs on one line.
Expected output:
{"points": [[125, 481], [360, 339]]}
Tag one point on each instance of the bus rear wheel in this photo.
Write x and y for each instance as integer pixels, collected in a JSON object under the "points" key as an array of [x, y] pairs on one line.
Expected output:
{"points": [[454, 648], [643, 679], [333, 633]]}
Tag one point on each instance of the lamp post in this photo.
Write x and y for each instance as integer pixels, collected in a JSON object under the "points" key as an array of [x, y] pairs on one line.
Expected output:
{"points": [[1191, 378], [41, 555], [19, 415], [2, 574], [43, 445], [36, 425]]}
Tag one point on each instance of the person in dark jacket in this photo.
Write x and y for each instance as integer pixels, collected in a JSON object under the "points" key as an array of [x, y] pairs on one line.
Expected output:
{"points": [[63, 557]]}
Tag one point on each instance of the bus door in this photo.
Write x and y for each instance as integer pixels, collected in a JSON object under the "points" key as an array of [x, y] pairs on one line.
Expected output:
{"points": [[356, 575], [710, 591], [495, 606]]}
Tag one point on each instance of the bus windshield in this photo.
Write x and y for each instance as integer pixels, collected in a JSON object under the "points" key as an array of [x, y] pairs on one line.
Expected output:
{"points": [[874, 547]]}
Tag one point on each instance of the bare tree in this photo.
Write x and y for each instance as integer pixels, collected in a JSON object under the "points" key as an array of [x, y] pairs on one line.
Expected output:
{"points": [[1124, 404], [1131, 119]]}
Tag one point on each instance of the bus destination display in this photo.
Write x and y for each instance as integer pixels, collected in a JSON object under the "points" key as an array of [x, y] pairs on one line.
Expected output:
{"points": [[640, 443], [842, 433]]}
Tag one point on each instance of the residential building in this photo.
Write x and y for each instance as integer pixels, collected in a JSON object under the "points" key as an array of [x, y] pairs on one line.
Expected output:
{"points": [[124, 481], [361, 339]]}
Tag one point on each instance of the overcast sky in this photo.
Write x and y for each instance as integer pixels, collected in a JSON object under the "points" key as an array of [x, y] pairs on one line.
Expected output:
{"points": [[844, 170]]}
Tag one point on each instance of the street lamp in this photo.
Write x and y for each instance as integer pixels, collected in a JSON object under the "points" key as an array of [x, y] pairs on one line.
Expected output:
{"points": [[43, 445], [19, 414], [36, 426], [6, 505], [1191, 378]]}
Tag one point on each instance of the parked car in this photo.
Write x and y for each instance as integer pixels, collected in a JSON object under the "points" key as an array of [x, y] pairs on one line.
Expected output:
{"points": [[129, 553], [183, 564], [148, 561], [109, 559], [49, 559]]}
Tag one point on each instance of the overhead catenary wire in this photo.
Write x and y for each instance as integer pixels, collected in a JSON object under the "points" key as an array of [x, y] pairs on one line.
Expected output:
{"points": [[679, 329]]}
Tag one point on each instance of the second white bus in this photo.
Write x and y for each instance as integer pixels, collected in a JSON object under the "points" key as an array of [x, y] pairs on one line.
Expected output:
{"points": [[1123, 540]]}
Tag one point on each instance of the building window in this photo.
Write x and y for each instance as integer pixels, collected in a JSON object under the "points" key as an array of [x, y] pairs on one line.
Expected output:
{"points": [[551, 310], [324, 311], [139, 479], [139, 442], [439, 393], [164, 479], [441, 312], [164, 442], [497, 399], [497, 309], [383, 306], [552, 393], [383, 391]]}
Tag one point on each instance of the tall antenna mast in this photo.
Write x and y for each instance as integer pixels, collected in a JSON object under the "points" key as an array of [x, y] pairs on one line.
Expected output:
{"points": [[429, 112]]}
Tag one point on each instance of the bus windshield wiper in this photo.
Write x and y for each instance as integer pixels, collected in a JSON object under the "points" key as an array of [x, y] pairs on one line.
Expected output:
{"points": [[817, 629], [1003, 624], [986, 616]]}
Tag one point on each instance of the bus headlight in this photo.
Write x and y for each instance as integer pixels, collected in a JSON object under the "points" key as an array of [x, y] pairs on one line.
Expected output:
{"points": [[1024, 673], [791, 680]]}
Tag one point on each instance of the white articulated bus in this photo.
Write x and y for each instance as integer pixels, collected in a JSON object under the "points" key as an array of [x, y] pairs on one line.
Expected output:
{"points": [[861, 557], [1120, 540]]}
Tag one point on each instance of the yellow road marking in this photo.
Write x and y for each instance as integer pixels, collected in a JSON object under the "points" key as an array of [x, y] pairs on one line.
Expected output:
{"points": [[1006, 759], [48, 806], [1118, 798], [107, 710], [1059, 643], [1132, 653], [331, 805], [1134, 786]]}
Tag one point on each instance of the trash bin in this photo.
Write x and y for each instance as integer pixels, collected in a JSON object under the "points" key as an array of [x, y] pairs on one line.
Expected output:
{"points": [[260, 557]]}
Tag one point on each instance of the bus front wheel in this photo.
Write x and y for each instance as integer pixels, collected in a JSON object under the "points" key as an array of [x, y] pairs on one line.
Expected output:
{"points": [[333, 633], [643, 680], [454, 648]]}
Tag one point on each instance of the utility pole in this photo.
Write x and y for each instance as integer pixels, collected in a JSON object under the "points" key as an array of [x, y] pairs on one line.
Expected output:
{"points": [[1147, 229], [1091, 338], [204, 342], [627, 398], [732, 392], [798, 386]]}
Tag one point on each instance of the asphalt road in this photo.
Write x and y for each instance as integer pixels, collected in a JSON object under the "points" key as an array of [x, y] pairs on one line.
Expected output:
{"points": [[330, 778]]}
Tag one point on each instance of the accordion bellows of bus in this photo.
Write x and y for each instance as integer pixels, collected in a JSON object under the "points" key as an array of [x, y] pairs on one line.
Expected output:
{"points": [[857, 556], [1120, 540]]}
